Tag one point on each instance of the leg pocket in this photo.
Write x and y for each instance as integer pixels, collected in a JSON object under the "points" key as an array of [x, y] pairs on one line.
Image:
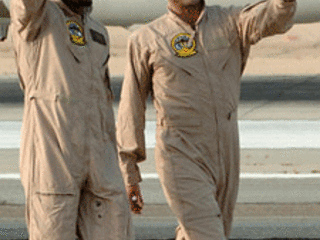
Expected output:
{"points": [[53, 216], [104, 218]]}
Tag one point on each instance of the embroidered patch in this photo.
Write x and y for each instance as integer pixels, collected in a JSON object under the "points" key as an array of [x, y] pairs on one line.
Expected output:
{"points": [[98, 37], [183, 45], [76, 33]]}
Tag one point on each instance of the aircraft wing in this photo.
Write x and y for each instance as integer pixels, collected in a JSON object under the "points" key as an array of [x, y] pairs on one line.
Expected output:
{"points": [[127, 13]]}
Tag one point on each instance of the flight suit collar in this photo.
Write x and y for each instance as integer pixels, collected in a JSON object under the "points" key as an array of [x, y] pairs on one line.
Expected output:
{"points": [[76, 24], [176, 18], [70, 14]]}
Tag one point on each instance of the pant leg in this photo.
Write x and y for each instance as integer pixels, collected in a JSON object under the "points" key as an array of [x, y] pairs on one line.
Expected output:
{"points": [[49, 216], [227, 200], [194, 204], [191, 194], [104, 208], [103, 218], [52, 216], [230, 169]]}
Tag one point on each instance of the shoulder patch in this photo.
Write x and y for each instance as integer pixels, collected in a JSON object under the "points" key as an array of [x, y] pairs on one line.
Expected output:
{"points": [[98, 37]]}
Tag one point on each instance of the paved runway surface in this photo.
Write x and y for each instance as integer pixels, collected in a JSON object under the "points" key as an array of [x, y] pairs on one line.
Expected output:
{"points": [[280, 168], [253, 134]]}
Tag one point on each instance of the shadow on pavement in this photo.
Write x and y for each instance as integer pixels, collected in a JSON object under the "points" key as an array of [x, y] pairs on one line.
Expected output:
{"points": [[253, 88]]}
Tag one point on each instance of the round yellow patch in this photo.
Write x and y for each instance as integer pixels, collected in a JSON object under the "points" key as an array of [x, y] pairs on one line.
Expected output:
{"points": [[184, 45], [76, 33]]}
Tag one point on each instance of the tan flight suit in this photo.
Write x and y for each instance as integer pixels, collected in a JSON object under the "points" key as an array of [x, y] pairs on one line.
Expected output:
{"points": [[69, 164], [194, 77]]}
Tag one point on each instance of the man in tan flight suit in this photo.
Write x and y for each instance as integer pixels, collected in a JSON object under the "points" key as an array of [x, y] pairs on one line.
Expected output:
{"points": [[191, 60], [69, 164]]}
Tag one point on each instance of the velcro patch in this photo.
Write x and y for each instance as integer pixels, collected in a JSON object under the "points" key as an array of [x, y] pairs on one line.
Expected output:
{"points": [[76, 33], [98, 37], [183, 45]]}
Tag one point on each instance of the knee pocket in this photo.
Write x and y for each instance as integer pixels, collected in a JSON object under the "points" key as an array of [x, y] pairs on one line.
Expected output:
{"points": [[54, 211]]}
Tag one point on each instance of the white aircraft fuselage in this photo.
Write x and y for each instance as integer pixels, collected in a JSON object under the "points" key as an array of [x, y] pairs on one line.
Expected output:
{"points": [[129, 12]]}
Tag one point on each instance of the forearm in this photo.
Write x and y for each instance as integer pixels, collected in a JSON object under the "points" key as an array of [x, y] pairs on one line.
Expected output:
{"points": [[130, 170], [266, 19], [130, 131], [27, 14], [131, 144], [130, 137], [279, 18]]}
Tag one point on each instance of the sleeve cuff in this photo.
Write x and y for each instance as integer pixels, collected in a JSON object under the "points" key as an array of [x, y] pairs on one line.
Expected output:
{"points": [[131, 173]]}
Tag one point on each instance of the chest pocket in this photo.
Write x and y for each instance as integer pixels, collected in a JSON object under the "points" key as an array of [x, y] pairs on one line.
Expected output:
{"points": [[99, 48], [99, 57], [176, 84], [87, 45], [222, 54], [218, 44], [178, 74], [174, 71], [79, 54]]}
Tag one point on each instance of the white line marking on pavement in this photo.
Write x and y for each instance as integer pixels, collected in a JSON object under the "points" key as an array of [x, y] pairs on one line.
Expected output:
{"points": [[10, 176], [278, 176], [10, 135], [279, 134], [149, 175], [16, 176]]}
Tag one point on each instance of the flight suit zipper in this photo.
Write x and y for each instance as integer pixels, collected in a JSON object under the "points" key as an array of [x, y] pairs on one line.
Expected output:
{"points": [[213, 96]]}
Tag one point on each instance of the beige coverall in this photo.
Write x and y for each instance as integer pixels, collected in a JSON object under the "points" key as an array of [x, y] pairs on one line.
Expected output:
{"points": [[194, 76], [69, 164]]}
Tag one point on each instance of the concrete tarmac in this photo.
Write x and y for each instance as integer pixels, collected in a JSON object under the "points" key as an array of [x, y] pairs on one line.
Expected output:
{"points": [[267, 208], [253, 88]]}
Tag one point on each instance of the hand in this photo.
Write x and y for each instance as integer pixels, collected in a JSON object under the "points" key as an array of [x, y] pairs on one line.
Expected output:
{"points": [[135, 198]]}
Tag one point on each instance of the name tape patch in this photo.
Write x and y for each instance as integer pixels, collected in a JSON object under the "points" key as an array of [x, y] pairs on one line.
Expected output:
{"points": [[98, 37]]}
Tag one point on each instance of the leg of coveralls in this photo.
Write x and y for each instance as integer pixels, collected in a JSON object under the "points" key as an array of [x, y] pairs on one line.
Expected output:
{"points": [[52, 216], [227, 202], [192, 199], [104, 210], [101, 219], [227, 197], [230, 165], [190, 191], [49, 216]]}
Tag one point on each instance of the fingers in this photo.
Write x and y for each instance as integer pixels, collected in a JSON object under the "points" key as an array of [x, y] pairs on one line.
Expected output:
{"points": [[135, 199], [136, 206]]}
